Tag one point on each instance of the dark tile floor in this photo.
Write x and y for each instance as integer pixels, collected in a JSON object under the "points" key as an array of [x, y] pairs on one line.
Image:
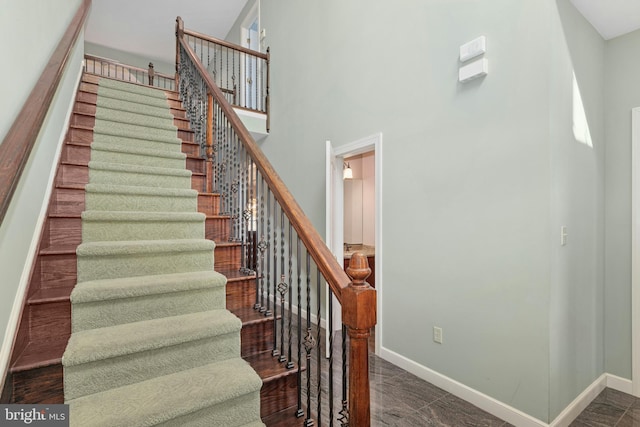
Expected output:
{"points": [[401, 399]]}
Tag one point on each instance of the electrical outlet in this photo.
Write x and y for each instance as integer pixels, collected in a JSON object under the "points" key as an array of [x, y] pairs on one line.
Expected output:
{"points": [[437, 334]]}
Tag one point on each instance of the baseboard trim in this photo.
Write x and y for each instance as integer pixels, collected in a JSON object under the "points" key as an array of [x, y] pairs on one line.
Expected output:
{"points": [[579, 404], [620, 384], [481, 400], [500, 409]]}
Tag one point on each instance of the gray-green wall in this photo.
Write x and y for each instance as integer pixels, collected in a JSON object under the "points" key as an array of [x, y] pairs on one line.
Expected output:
{"points": [[622, 68], [19, 231], [478, 177]]}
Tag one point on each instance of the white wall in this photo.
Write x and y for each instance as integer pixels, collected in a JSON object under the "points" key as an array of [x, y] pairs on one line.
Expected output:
{"points": [[622, 93], [467, 169], [577, 193], [30, 30], [20, 229]]}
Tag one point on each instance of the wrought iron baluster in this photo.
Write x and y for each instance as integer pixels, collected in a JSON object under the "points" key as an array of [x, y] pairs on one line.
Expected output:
{"points": [[330, 332], [274, 351], [282, 288], [309, 340], [290, 363], [344, 412], [267, 311], [319, 345], [299, 412], [262, 246]]}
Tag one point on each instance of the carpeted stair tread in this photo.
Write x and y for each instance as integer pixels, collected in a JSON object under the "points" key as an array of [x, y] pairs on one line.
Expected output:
{"points": [[130, 149], [132, 131], [138, 119], [109, 197], [254, 424], [165, 398], [133, 88], [164, 144], [114, 341], [125, 105], [137, 98], [142, 247], [135, 216], [140, 191], [130, 287], [127, 168], [136, 225]]}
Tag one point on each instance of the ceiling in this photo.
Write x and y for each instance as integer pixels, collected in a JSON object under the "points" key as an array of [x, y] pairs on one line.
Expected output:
{"points": [[118, 23], [611, 18]]}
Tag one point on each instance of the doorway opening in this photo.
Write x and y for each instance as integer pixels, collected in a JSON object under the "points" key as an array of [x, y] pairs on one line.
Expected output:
{"points": [[354, 211]]}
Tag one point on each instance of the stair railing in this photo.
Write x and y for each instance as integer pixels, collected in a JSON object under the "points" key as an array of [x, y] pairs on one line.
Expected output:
{"points": [[241, 74], [115, 70], [290, 259]]}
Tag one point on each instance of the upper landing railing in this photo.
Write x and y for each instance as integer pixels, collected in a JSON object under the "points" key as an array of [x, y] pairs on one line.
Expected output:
{"points": [[241, 74], [113, 69], [292, 264]]}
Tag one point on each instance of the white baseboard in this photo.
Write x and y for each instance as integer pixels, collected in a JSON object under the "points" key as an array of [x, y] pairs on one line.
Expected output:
{"points": [[579, 404], [500, 409], [618, 383], [481, 400]]}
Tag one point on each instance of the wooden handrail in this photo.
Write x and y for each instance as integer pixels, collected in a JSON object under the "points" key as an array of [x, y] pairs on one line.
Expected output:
{"points": [[324, 259], [128, 67], [19, 141], [357, 297], [225, 43]]}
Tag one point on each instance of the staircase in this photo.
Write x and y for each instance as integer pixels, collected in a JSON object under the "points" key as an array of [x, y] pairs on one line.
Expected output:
{"points": [[105, 299]]}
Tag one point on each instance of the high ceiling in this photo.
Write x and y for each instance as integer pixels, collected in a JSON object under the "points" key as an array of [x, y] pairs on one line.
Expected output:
{"points": [[146, 27], [612, 18]]}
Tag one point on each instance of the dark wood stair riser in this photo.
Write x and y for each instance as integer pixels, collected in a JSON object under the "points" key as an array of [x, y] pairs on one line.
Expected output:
{"points": [[63, 231], [67, 201], [57, 271], [209, 204], [70, 174], [80, 135], [198, 182], [87, 98], [217, 228], [196, 164], [83, 120], [257, 337], [241, 293], [186, 135], [85, 108], [227, 257], [278, 394], [77, 154], [191, 149], [41, 385], [50, 320]]}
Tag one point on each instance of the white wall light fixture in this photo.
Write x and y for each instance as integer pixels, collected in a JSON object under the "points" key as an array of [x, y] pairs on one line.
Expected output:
{"points": [[347, 172]]}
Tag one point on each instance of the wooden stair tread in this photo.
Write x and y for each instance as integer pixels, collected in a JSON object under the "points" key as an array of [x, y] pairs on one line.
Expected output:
{"points": [[44, 296], [59, 250], [249, 316], [227, 244], [64, 215], [71, 186], [268, 367], [72, 126], [41, 354], [235, 275]]}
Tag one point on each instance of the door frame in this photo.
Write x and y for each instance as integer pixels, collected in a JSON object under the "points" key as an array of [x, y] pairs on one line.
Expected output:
{"points": [[252, 16], [335, 209], [635, 251]]}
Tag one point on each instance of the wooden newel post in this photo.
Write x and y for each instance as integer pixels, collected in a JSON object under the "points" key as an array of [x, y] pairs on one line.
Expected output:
{"points": [[179, 34], [359, 315], [151, 73], [209, 149]]}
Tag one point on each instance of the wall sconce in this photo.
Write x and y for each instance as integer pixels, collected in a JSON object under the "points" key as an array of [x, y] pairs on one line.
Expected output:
{"points": [[347, 172]]}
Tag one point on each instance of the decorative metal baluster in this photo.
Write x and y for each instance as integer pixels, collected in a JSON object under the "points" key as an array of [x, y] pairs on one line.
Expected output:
{"points": [[290, 363], [262, 246], [330, 332], [299, 412], [267, 311], [282, 288], [319, 345], [344, 412], [274, 351], [309, 341]]}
